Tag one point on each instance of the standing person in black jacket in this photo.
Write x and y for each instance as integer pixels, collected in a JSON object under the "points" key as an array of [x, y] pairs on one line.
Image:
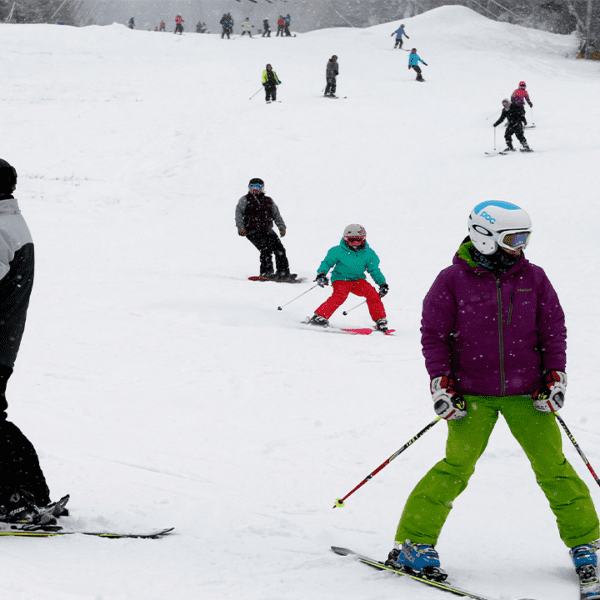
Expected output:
{"points": [[266, 28], [331, 72], [23, 488], [514, 116], [254, 216]]}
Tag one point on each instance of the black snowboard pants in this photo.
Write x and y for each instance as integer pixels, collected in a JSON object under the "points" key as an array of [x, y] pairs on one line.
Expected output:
{"points": [[19, 463], [417, 68], [270, 92], [268, 244], [331, 86]]}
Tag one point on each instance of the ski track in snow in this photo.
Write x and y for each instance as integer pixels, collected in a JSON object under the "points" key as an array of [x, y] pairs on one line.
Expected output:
{"points": [[161, 388]]}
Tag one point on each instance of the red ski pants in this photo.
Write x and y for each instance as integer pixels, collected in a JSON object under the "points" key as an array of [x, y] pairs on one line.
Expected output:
{"points": [[360, 287]]}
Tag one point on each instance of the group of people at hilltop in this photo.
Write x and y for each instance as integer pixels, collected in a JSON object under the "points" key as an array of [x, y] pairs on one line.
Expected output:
{"points": [[283, 26], [163, 26]]}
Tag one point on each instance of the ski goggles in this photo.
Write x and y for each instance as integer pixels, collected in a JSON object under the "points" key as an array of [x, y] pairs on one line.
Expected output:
{"points": [[255, 186], [355, 241], [513, 239]]}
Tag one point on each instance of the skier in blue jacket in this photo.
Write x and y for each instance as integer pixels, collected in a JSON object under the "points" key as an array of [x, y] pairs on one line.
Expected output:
{"points": [[413, 63], [399, 33]]}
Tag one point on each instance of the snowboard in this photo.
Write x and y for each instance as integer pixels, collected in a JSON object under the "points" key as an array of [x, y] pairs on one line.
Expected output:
{"points": [[259, 278]]}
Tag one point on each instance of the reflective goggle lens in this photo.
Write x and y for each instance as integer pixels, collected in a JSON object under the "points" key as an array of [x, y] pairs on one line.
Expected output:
{"points": [[355, 240], [255, 186], [515, 240]]}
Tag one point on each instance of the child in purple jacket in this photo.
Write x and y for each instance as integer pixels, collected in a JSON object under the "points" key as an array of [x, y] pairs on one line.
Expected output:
{"points": [[494, 341]]}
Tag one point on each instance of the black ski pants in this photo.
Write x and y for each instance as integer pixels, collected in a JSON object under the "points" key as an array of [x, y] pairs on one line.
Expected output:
{"points": [[516, 129], [268, 243], [417, 68], [331, 86], [270, 92], [19, 463]]}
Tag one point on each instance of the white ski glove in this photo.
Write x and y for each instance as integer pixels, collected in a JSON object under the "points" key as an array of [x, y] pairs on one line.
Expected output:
{"points": [[550, 396], [447, 402]]}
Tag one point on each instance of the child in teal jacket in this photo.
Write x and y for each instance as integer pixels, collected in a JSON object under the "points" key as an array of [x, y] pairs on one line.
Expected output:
{"points": [[349, 261]]}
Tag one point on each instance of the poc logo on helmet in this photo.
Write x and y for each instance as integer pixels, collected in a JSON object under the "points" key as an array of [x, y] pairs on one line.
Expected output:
{"points": [[488, 217]]}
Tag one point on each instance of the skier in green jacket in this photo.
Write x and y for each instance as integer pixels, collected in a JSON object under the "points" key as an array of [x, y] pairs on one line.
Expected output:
{"points": [[349, 261]]}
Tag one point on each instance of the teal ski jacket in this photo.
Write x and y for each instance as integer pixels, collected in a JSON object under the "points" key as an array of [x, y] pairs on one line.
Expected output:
{"points": [[350, 265]]}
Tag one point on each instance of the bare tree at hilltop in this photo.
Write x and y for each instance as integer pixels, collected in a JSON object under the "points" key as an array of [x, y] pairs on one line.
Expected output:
{"points": [[40, 11]]}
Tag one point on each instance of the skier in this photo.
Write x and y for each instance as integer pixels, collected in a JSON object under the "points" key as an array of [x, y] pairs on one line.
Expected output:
{"points": [[131, 23], [226, 25], [519, 97], [286, 26], [513, 116], [413, 63], [254, 216], [399, 33], [270, 82], [266, 28], [494, 341], [163, 26], [23, 488], [179, 25], [280, 26], [331, 73], [349, 261], [246, 27]]}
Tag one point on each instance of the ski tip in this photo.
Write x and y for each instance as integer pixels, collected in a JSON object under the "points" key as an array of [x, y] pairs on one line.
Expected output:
{"points": [[341, 551]]}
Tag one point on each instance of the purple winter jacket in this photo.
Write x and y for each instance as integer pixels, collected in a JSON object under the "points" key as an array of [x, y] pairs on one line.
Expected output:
{"points": [[495, 335]]}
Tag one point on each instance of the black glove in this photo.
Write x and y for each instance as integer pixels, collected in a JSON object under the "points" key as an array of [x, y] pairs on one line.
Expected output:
{"points": [[383, 290], [322, 279], [407, 37], [550, 396], [409, 67], [531, 104], [425, 64], [264, 85], [447, 402]]}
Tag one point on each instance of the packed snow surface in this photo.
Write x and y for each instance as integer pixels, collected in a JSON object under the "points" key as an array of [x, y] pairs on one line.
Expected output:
{"points": [[162, 388]]}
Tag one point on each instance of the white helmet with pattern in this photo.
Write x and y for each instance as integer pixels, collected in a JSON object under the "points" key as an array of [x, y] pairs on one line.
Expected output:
{"points": [[495, 223], [355, 235]]}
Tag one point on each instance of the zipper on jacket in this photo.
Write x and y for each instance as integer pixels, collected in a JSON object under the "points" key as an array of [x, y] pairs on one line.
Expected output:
{"points": [[500, 337], [510, 308]]}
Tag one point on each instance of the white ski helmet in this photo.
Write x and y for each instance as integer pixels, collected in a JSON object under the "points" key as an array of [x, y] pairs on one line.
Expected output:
{"points": [[496, 223], [354, 235]]}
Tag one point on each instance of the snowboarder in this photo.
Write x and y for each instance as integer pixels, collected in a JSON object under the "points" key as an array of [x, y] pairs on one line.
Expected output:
{"points": [[246, 27], [226, 25], [494, 341], [163, 26], [131, 23], [270, 82], [23, 485], [201, 27], [331, 73], [512, 113], [413, 63], [280, 26], [286, 26], [179, 25], [266, 28], [399, 33], [349, 261], [519, 97], [254, 216]]}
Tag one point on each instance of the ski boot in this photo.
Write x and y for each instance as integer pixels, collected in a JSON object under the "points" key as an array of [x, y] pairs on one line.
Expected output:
{"points": [[381, 325], [21, 508], [585, 561], [318, 320], [417, 559], [509, 148]]}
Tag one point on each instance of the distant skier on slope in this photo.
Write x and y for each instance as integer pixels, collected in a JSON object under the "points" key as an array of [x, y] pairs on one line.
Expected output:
{"points": [[280, 26], [399, 33], [494, 339], [413, 63], [179, 25], [131, 23], [519, 97], [270, 82], [512, 113], [331, 72], [246, 27], [266, 28], [254, 216], [226, 25], [349, 261]]}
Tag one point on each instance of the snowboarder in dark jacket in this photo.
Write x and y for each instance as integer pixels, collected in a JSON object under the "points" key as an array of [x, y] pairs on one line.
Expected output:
{"points": [[254, 216], [266, 28], [23, 488], [332, 71], [514, 117]]}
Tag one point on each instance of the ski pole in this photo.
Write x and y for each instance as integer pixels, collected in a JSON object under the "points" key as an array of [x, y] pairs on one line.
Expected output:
{"points": [[494, 139], [340, 501], [532, 117], [254, 94], [347, 311], [579, 450], [296, 298]]}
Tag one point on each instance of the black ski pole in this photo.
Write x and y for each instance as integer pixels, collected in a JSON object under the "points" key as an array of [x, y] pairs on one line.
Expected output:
{"points": [[494, 139], [579, 450], [254, 94], [296, 298], [347, 311], [340, 501]]}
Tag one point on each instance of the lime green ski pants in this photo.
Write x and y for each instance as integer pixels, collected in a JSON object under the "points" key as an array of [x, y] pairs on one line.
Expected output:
{"points": [[429, 504]]}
